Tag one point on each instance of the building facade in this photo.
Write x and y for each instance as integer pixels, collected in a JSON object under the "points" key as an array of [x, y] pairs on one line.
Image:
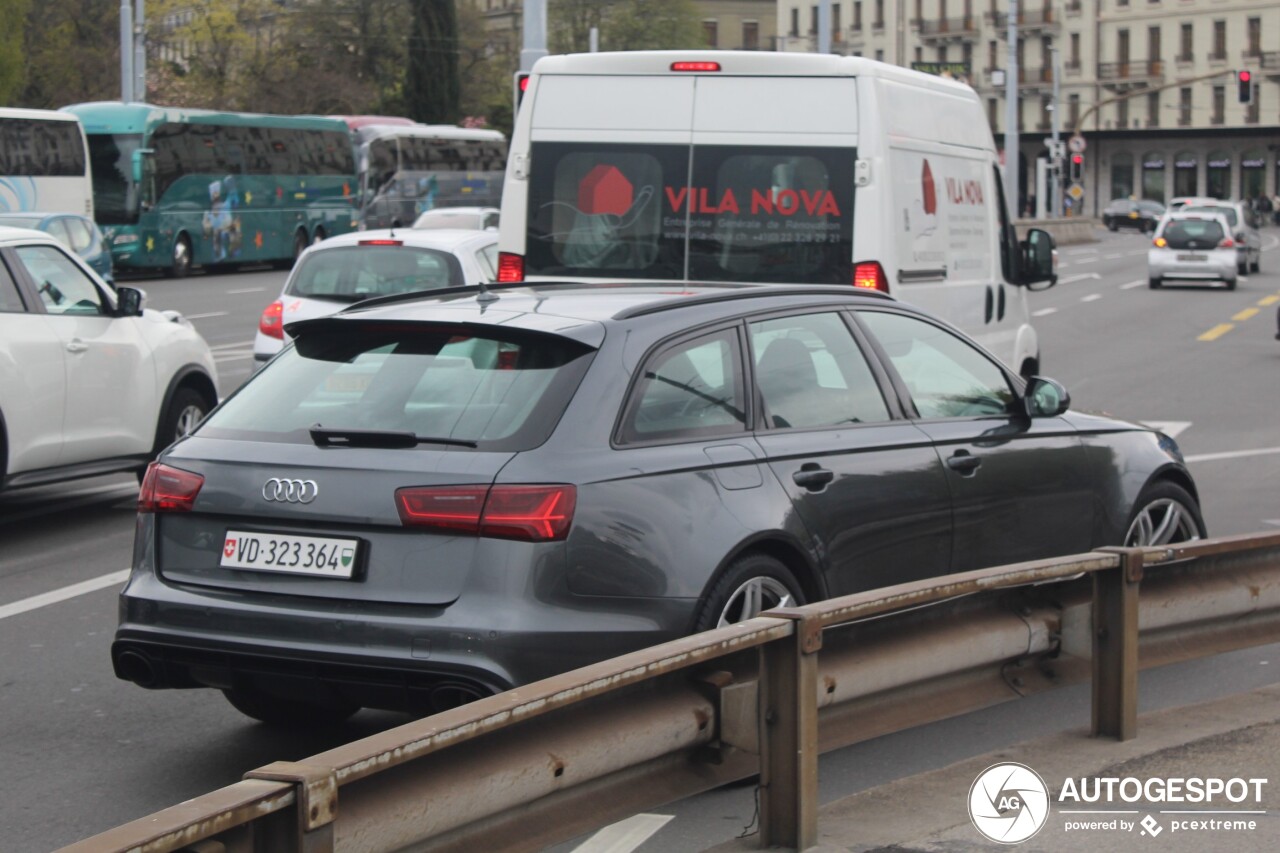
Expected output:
{"points": [[1150, 85]]}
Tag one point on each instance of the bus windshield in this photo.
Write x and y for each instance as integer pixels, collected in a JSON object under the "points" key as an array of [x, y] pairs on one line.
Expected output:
{"points": [[115, 193]]}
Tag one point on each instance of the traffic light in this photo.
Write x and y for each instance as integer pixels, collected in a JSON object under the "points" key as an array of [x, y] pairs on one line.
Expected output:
{"points": [[1077, 168], [1244, 86], [519, 83]]}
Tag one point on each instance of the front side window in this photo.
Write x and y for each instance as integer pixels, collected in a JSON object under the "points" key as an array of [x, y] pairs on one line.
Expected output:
{"points": [[63, 286], [10, 299], [945, 375], [115, 195], [353, 273], [500, 391], [811, 373], [691, 390]]}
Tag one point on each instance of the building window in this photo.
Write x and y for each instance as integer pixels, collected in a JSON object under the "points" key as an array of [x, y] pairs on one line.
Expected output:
{"points": [[1251, 110], [1253, 173], [1218, 116], [919, 54], [1184, 108], [795, 22], [992, 112], [1122, 3], [1121, 175], [710, 32], [942, 53], [750, 35], [1153, 50], [1186, 43], [1184, 174], [1073, 104], [1153, 109], [1153, 176], [857, 16], [1122, 114], [1074, 60], [1046, 114], [879, 21], [1219, 40], [813, 19], [837, 33], [879, 55], [993, 56], [966, 52], [1217, 175], [1255, 36]]}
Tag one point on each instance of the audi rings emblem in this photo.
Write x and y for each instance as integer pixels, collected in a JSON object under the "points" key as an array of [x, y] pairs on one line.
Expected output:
{"points": [[290, 491]]}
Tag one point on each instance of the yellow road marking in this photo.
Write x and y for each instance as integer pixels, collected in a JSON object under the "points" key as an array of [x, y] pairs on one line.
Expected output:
{"points": [[1269, 300], [1216, 332], [1245, 314]]}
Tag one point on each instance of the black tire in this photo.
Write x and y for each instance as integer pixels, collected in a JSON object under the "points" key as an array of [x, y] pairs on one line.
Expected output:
{"points": [[184, 411], [276, 711], [319, 236], [180, 263], [1112, 226], [1163, 514], [1154, 283], [727, 598], [1231, 284], [1256, 266]]}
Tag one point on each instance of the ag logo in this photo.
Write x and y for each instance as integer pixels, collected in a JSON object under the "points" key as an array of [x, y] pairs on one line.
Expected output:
{"points": [[1008, 803]]}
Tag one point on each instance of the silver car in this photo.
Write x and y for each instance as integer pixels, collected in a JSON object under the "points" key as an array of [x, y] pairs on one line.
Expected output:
{"points": [[1244, 231], [1196, 246]]}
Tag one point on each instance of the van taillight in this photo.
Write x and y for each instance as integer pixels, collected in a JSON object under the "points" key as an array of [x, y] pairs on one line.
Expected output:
{"points": [[695, 66], [1227, 243], [529, 513], [166, 489], [271, 323], [510, 267], [869, 275]]}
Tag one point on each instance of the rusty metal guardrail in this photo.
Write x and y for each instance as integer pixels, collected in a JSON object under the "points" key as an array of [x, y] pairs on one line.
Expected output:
{"points": [[549, 761]]}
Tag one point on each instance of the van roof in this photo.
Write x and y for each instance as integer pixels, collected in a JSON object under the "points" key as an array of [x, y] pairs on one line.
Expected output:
{"points": [[740, 63]]}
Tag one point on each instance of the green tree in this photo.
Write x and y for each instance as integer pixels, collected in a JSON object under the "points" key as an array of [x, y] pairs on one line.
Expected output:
{"points": [[624, 24], [486, 62], [13, 15], [431, 90], [72, 52]]}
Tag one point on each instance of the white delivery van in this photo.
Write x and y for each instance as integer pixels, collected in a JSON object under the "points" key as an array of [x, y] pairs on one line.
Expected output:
{"points": [[769, 167]]}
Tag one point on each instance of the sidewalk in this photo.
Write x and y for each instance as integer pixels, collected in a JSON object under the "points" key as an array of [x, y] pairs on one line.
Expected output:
{"points": [[1233, 738]]}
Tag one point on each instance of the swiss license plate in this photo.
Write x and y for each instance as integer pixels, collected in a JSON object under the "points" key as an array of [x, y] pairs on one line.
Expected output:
{"points": [[281, 552], [1193, 257]]}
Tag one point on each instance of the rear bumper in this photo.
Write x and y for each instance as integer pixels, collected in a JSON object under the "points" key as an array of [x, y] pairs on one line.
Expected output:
{"points": [[1220, 266], [401, 657]]}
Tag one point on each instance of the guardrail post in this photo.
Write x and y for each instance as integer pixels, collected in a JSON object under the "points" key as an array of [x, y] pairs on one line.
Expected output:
{"points": [[316, 801], [1115, 646], [789, 735]]}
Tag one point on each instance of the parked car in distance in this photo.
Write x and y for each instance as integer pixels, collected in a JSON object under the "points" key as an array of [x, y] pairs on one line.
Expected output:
{"points": [[77, 233], [91, 382], [1179, 202], [1243, 225], [334, 273], [429, 498], [479, 218], [1128, 213], [1192, 245]]}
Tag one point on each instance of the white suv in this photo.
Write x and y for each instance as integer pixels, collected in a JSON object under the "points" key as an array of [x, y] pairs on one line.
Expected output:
{"points": [[90, 381]]}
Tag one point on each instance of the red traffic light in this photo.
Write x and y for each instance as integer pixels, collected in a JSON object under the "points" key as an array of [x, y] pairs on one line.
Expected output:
{"points": [[1077, 159], [1245, 76]]}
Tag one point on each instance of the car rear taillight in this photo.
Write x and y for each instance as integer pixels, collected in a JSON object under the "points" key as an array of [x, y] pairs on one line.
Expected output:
{"points": [[510, 267], [1159, 242], [869, 275], [166, 489], [381, 243], [695, 66], [272, 324], [1227, 243], [529, 513]]}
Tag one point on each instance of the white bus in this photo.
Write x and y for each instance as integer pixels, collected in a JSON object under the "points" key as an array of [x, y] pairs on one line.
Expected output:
{"points": [[408, 169], [44, 163]]}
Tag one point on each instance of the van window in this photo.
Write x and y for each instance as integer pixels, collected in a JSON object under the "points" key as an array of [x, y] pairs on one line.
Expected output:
{"points": [[713, 213]]}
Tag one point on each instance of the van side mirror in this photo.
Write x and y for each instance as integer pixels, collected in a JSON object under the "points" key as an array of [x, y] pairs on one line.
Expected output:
{"points": [[1045, 398], [1036, 260], [129, 301]]}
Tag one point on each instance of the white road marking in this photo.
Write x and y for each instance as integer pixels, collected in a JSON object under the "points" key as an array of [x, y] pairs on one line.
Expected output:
{"points": [[44, 599], [1113, 257], [1173, 429], [1081, 276], [1087, 261], [1274, 522], [207, 315], [1232, 454], [245, 290], [1130, 285], [625, 835], [236, 345], [1092, 297], [1044, 312]]}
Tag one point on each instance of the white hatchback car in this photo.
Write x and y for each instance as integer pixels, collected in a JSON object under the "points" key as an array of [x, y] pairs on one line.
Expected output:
{"points": [[1194, 246], [339, 271], [479, 218], [91, 382]]}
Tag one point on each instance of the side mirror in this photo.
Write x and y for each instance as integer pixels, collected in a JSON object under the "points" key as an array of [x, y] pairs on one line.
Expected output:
{"points": [[1045, 398], [136, 161], [130, 301], [1036, 260]]}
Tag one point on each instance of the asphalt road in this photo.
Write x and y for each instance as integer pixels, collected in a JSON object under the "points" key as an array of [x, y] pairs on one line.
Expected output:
{"points": [[81, 752]]}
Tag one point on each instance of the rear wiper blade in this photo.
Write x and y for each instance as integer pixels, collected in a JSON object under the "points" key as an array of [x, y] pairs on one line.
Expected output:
{"points": [[341, 437]]}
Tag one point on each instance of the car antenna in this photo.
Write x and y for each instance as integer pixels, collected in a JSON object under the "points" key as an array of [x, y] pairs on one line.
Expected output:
{"points": [[486, 295]]}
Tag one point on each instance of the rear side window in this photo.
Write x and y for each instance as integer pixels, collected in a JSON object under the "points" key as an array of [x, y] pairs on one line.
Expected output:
{"points": [[352, 273], [692, 390], [1193, 233], [503, 391]]}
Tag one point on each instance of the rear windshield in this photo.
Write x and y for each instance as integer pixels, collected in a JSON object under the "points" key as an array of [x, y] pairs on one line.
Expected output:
{"points": [[706, 213], [1193, 233], [503, 391], [352, 273], [1228, 212]]}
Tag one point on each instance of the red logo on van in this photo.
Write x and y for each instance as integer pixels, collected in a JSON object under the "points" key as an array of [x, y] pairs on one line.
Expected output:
{"points": [[772, 202], [928, 189], [605, 190]]}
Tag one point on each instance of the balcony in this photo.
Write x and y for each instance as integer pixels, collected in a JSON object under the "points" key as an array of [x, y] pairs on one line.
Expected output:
{"points": [[1029, 77], [1030, 22], [947, 29], [1071, 68], [1126, 76], [1269, 62]]}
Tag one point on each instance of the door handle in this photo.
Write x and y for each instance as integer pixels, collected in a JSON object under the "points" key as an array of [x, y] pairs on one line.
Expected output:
{"points": [[813, 477], [964, 462], [76, 345]]}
